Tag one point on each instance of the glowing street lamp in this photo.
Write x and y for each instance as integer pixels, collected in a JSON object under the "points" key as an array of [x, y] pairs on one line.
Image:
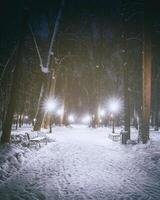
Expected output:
{"points": [[50, 106], [114, 107]]}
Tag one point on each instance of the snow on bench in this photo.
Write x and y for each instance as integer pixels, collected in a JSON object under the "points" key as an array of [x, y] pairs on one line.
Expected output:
{"points": [[114, 136], [36, 138], [16, 138]]}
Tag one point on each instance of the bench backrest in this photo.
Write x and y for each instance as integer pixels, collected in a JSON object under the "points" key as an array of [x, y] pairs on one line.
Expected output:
{"points": [[31, 136]]}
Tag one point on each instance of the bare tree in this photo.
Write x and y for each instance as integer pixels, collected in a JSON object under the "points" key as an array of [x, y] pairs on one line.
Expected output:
{"points": [[146, 87], [6, 129], [47, 84]]}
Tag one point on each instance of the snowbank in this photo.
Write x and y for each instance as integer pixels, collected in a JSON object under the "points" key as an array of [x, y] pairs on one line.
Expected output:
{"points": [[11, 159]]}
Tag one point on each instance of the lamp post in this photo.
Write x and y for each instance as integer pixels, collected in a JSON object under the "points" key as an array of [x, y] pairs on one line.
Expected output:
{"points": [[50, 125], [113, 123], [114, 107]]}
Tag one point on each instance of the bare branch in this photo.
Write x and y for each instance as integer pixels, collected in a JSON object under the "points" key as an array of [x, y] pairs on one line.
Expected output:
{"points": [[50, 53], [38, 52]]}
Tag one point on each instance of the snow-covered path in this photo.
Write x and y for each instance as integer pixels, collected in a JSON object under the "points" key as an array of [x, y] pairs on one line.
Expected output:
{"points": [[84, 164]]}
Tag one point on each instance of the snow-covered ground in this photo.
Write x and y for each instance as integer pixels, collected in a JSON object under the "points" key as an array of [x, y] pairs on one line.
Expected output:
{"points": [[82, 164]]}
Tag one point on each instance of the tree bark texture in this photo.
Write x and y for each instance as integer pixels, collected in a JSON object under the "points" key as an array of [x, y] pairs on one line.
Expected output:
{"points": [[6, 129], [146, 71]]}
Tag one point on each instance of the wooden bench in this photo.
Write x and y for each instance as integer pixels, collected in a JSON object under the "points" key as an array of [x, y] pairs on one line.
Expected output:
{"points": [[36, 138], [114, 136]]}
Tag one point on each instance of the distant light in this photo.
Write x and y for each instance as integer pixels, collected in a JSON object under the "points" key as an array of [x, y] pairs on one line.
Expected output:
{"points": [[86, 119], [26, 117], [34, 120], [71, 118], [101, 113], [60, 112], [100, 120], [50, 105], [111, 115]]}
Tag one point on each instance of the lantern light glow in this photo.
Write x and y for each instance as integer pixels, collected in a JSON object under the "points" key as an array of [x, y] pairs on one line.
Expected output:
{"points": [[34, 120], [26, 117], [50, 105], [114, 105]]}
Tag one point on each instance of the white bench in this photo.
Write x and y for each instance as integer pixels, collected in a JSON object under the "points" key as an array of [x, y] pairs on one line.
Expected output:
{"points": [[35, 138], [114, 136]]}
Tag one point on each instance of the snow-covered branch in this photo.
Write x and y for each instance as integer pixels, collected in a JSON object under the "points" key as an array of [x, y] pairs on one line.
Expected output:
{"points": [[56, 27], [43, 69]]}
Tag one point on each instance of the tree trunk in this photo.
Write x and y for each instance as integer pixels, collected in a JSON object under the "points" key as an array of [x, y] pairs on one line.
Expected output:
{"points": [[6, 129], [17, 121], [20, 120], [125, 88], [156, 104], [51, 93], [146, 83], [40, 109], [46, 85], [126, 103], [63, 119]]}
